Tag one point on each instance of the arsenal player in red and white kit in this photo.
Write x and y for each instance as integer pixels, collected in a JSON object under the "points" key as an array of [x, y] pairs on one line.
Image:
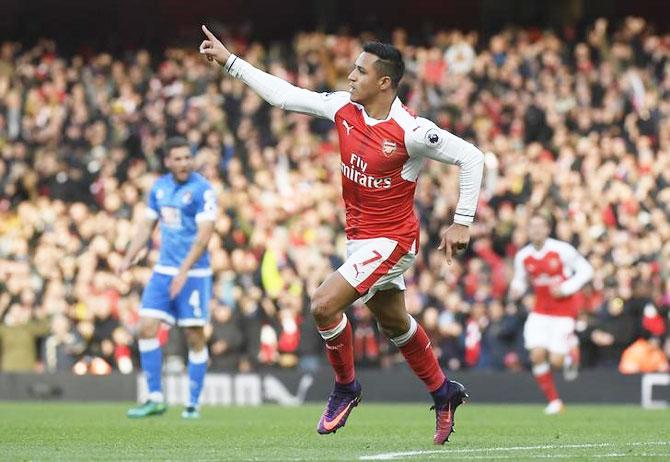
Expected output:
{"points": [[556, 271], [383, 147]]}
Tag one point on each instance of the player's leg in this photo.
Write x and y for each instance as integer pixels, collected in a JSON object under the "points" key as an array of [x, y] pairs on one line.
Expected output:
{"points": [[154, 309], [572, 359], [537, 339], [564, 347], [328, 304], [559, 338], [561, 333], [198, 358], [192, 306], [151, 356], [556, 360], [367, 261], [545, 380], [388, 306]]}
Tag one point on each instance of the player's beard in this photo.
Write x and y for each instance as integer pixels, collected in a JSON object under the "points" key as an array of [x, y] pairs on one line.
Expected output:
{"points": [[355, 98], [355, 95], [538, 242], [181, 176]]}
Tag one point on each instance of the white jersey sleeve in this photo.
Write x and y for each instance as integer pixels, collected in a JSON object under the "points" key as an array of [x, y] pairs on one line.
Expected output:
{"points": [[582, 271], [519, 282], [428, 140], [280, 93]]}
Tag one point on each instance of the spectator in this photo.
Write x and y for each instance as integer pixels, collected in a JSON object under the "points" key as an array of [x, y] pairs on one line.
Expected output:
{"points": [[612, 332], [62, 347], [502, 342], [225, 341], [19, 334], [644, 356]]}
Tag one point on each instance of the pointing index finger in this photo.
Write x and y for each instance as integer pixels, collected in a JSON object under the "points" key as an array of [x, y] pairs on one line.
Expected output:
{"points": [[208, 33], [448, 251]]}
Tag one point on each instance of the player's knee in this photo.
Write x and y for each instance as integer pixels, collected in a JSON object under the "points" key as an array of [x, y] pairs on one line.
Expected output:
{"points": [[149, 328], [195, 338], [322, 307], [538, 356], [556, 362], [394, 327]]}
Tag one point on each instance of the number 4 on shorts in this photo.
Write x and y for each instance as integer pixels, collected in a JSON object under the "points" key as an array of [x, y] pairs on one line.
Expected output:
{"points": [[194, 301]]}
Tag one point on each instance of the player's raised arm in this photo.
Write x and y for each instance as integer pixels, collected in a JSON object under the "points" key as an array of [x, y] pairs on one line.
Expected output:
{"points": [[272, 89]]}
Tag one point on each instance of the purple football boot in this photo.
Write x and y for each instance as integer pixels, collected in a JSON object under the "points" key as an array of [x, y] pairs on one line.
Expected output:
{"points": [[342, 400], [450, 395]]}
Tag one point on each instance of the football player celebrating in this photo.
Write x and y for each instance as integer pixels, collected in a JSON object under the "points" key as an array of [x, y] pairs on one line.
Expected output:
{"points": [[383, 146]]}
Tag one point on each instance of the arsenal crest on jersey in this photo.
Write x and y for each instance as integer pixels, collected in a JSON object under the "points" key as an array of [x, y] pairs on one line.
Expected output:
{"points": [[388, 147]]}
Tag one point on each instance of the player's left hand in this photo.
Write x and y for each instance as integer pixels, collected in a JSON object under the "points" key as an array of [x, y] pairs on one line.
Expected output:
{"points": [[177, 284], [555, 291], [455, 240]]}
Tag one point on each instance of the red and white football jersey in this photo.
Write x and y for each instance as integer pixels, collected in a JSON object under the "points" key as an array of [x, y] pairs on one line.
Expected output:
{"points": [[380, 159], [556, 263], [378, 175]]}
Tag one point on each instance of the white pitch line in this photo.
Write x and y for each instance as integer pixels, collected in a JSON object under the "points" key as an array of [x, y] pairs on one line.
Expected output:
{"points": [[571, 456], [395, 455], [398, 455]]}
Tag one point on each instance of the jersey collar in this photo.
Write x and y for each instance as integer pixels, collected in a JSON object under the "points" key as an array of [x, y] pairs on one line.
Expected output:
{"points": [[371, 120]]}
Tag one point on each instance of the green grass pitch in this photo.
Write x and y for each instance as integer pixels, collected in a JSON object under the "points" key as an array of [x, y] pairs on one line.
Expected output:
{"points": [[95, 431]]}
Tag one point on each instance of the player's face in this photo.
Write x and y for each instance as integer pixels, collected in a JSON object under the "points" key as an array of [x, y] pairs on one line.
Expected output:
{"points": [[364, 82], [538, 230], [180, 163]]}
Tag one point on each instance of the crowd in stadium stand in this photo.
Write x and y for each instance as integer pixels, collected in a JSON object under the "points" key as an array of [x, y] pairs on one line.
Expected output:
{"points": [[574, 124]]}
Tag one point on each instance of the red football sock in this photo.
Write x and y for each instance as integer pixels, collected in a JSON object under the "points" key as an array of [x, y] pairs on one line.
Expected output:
{"points": [[421, 359], [340, 350], [545, 381]]}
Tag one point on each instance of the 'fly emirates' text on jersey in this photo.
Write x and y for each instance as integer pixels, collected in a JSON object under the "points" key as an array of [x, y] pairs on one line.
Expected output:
{"points": [[556, 264], [380, 159]]}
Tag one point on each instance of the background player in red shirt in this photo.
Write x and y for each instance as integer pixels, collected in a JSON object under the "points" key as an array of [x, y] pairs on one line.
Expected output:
{"points": [[383, 147], [556, 272]]}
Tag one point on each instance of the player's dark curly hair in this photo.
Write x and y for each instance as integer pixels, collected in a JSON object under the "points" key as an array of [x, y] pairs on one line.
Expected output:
{"points": [[174, 142], [390, 60]]}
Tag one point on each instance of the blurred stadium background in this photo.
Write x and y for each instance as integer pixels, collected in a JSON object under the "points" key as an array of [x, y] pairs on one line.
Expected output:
{"points": [[570, 100]]}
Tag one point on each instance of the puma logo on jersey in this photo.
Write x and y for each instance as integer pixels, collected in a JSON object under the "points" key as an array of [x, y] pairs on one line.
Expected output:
{"points": [[347, 126]]}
